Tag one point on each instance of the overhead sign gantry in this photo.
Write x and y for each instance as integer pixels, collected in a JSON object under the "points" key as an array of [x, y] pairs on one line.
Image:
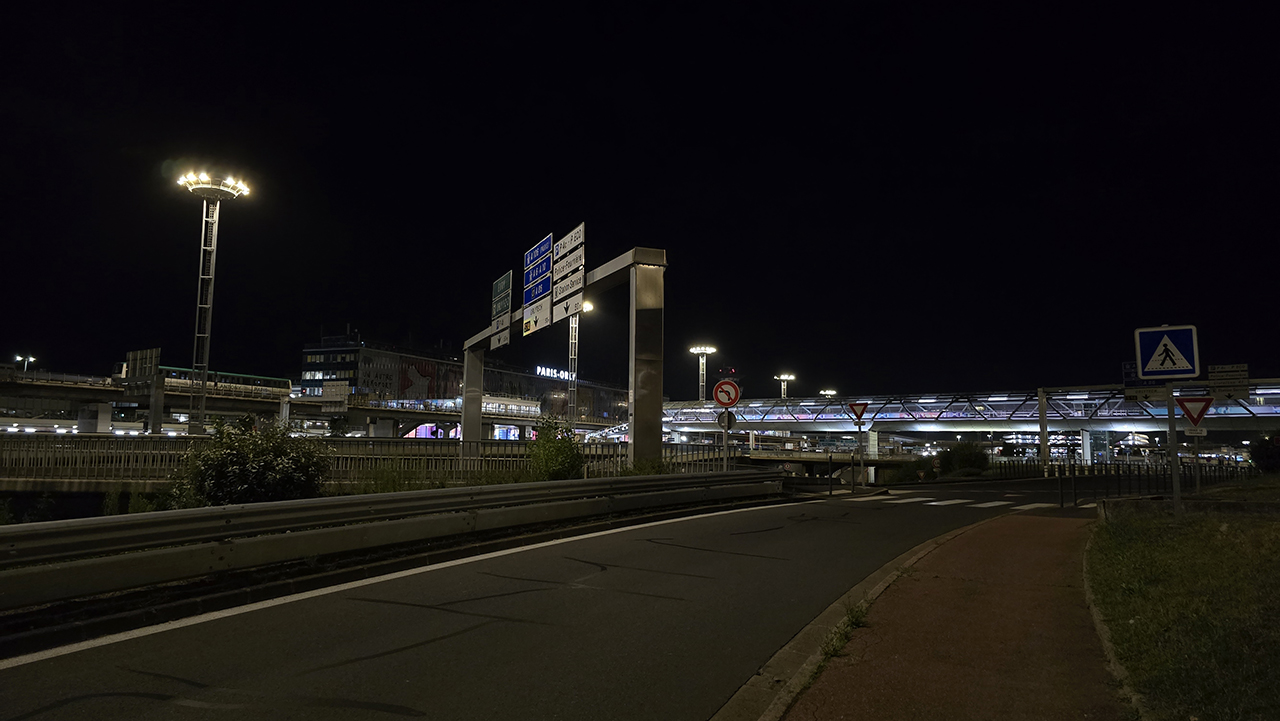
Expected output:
{"points": [[557, 293]]}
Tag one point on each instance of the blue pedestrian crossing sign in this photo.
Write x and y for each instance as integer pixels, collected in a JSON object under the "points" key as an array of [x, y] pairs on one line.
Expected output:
{"points": [[1167, 352]]}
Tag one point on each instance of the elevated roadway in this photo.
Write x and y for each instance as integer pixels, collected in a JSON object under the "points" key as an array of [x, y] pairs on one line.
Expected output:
{"points": [[1091, 408]]}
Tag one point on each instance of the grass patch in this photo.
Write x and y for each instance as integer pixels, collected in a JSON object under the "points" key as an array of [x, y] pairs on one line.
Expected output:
{"points": [[1191, 604], [1260, 488], [855, 617]]}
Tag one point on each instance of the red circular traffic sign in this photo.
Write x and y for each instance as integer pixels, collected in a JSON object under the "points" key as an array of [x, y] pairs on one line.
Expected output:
{"points": [[726, 394]]}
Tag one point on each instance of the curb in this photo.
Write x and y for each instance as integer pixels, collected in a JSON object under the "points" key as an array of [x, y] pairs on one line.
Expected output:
{"points": [[770, 693], [1104, 635]]}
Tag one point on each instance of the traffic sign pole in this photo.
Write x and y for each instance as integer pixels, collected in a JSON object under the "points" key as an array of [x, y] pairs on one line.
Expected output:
{"points": [[1197, 466], [1174, 471], [862, 454]]}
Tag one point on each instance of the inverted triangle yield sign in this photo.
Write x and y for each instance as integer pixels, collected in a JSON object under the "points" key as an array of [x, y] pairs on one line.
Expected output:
{"points": [[857, 409], [1195, 408]]}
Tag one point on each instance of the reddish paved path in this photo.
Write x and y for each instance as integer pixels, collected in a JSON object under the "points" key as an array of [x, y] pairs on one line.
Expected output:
{"points": [[992, 625]]}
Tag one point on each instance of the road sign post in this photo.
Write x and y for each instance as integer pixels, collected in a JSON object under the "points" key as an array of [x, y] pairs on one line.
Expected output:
{"points": [[1166, 353], [1194, 409], [857, 409], [726, 395]]}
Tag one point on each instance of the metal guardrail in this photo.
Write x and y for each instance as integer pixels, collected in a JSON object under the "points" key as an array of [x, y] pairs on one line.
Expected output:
{"points": [[150, 460], [45, 562]]}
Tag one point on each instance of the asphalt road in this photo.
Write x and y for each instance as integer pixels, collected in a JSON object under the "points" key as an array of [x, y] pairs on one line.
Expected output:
{"points": [[664, 621]]}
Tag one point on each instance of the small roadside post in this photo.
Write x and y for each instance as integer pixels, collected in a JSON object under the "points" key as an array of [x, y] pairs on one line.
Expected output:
{"points": [[1167, 353], [857, 409], [1194, 409], [726, 394]]}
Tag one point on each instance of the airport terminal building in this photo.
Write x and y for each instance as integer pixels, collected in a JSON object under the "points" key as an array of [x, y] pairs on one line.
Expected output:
{"points": [[372, 371]]}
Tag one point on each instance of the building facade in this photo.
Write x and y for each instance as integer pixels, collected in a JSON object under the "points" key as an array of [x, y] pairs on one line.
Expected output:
{"points": [[386, 373]]}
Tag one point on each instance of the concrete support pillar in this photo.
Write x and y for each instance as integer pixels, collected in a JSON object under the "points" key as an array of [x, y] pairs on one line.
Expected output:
{"points": [[1086, 448], [382, 428], [645, 387], [94, 418], [155, 408], [1044, 430], [473, 393], [284, 409]]}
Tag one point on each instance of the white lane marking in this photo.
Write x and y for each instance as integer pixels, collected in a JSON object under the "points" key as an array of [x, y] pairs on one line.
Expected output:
{"points": [[899, 493], [992, 504], [910, 500], [1089, 505], [1029, 506], [860, 499], [950, 502], [249, 608]]}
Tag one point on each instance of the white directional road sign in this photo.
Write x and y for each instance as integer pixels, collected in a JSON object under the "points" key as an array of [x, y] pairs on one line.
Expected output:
{"points": [[537, 316], [1229, 382], [569, 274], [569, 263], [568, 286], [500, 339], [571, 241], [567, 307], [1167, 352]]}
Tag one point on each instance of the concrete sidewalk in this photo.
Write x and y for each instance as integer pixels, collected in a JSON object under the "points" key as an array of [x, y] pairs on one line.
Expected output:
{"points": [[991, 625]]}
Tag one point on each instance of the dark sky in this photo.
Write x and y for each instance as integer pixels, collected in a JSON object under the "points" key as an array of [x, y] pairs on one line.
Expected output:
{"points": [[884, 199]]}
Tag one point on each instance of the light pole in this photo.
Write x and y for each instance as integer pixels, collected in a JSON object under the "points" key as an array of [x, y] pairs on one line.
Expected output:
{"points": [[25, 360], [213, 192], [587, 307], [784, 378], [702, 351]]}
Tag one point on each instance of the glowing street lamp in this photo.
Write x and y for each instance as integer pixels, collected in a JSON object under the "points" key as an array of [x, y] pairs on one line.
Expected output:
{"points": [[587, 307], [702, 351], [25, 360], [213, 192], [784, 378], [827, 393]]}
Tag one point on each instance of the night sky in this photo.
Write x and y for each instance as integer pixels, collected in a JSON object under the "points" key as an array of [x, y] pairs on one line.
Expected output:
{"points": [[881, 200]]}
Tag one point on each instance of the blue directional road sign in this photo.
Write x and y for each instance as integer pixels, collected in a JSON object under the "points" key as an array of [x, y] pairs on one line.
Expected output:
{"points": [[1167, 352], [537, 290], [535, 253]]}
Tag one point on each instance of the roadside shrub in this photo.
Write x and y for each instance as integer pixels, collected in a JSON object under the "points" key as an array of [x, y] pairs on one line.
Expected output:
{"points": [[554, 454], [1265, 453], [963, 456], [249, 462]]}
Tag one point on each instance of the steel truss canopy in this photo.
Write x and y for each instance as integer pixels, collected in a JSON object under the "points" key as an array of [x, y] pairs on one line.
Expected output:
{"points": [[1101, 408]]}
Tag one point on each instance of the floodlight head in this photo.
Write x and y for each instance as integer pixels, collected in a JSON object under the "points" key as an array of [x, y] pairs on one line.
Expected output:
{"points": [[587, 307], [784, 377], [210, 189], [702, 350], [827, 393]]}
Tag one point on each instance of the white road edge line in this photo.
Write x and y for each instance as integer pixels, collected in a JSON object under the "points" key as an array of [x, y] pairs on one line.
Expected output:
{"points": [[991, 504], [950, 502], [1029, 506], [910, 500], [249, 608]]}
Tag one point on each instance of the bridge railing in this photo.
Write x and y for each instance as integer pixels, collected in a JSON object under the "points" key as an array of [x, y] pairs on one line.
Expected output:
{"points": [[85, 462]]}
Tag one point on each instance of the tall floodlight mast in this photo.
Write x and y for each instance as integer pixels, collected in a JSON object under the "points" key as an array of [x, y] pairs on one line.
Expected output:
{"points": [[702, 351], [213, 192]]}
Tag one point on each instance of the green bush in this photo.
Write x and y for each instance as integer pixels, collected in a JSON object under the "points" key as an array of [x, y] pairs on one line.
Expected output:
{"points": [[1265, 453], [963, 456], [554, 454], [249, 462]]}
